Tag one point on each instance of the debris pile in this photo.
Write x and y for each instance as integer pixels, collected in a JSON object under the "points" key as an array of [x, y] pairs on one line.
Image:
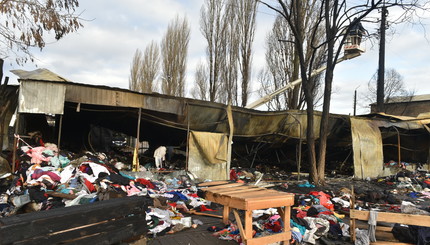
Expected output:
{"points": [[46, 179]]}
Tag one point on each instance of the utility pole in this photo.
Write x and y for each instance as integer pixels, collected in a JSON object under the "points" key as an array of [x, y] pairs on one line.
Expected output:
{"points": [[355, 101], [381, 67]]}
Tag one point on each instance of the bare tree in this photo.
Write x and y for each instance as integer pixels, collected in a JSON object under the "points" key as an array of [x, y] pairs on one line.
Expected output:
{"points": [[25, 24], [150, 67], [394, 86], [134, 81], [282, 66], [335, 17], [246, 11], [230, 42], [174, 49], [200, 90], [144, 69], [213, 27], [228, 27], [394, 90]]}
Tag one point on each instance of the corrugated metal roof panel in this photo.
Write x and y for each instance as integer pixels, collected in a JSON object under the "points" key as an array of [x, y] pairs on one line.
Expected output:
{"points": [[39, 74], [41, 97]]}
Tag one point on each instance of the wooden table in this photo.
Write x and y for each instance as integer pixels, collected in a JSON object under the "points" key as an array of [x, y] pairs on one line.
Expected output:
{"points": [[248, 198]]}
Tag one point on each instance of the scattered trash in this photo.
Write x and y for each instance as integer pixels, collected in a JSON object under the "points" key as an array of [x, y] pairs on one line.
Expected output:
{"points": [[47, 178]]}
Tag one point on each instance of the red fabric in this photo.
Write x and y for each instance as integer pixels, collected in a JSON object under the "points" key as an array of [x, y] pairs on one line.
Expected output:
{"points": [[204, 208], [84, 168], [233, 174], [173, 204], [146, 183], [90, 186], [324, 199], [275, 227]]}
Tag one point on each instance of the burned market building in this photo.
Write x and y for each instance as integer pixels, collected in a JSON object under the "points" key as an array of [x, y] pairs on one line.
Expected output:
{"points": [[207, 138]]}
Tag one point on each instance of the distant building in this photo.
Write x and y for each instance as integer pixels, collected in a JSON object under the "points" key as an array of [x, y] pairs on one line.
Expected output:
{"points": [[406, 106]]}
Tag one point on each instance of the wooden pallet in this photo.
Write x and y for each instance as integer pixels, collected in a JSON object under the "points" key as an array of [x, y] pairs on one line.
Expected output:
{"points": [[238, 196]]}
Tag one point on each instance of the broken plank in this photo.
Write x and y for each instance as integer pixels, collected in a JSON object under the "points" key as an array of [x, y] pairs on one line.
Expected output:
{"points": [[212, 183], [219, 187], [400, 218], [390, 243], [284, 236]]}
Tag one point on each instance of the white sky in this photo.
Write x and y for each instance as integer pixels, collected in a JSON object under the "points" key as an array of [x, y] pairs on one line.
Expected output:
{"points": [[102, 51]]}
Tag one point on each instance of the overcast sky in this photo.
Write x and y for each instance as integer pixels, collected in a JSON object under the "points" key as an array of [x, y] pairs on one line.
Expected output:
{"points": [[102, 51]]}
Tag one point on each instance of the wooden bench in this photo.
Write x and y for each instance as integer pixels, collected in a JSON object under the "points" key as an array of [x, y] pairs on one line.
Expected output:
{"points": [[248, 198], [104, 222]]}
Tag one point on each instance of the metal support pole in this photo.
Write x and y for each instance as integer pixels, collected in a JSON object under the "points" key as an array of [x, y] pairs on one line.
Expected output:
{"points": [[355, 102], [188, 137], [299, 161], [230, 138], [398, 147], [294, 83], [60, 127], [15, 142], [136, 164]]}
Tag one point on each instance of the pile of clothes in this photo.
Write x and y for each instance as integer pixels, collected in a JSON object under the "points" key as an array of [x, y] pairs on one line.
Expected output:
{"points": [[47, 179]]}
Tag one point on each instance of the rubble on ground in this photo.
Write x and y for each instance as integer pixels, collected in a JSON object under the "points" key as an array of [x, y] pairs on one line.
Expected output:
{"points": [[47, 178]]}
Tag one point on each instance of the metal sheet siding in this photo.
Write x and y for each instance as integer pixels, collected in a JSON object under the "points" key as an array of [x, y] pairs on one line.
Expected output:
{"points": [[90, 95], [109, 97], [41, 97]]}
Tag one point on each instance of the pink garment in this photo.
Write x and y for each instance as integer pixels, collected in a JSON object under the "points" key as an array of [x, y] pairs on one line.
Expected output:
{"points": [[37, 156], [275, 217], [132, 190], [425, 194]]}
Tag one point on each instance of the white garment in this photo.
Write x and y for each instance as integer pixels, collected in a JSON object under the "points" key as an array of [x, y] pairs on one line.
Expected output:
{"points": [[314, 223], [160, 156], [342, 202], [66, 174], [97, 168]]}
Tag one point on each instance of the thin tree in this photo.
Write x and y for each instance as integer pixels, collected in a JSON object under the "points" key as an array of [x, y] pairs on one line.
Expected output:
{"points": [[174, 49], [150, 67], [230, 57], [335, 16], [144, 69], [213, 28], [26, 23], [134, 81], [200, 90], [246, 11]]}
